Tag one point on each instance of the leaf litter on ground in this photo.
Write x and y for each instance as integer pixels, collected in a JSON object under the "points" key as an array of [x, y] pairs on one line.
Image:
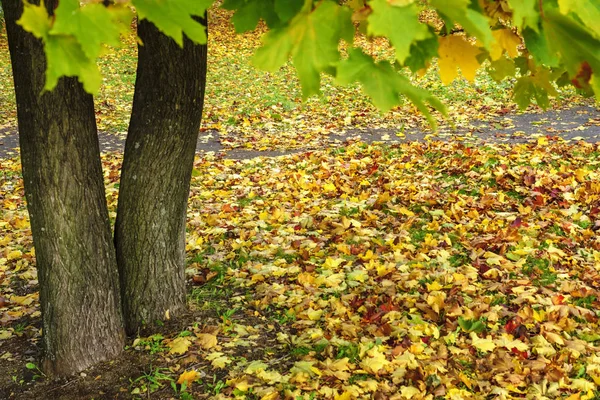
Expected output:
{"points": [[419, 270]]}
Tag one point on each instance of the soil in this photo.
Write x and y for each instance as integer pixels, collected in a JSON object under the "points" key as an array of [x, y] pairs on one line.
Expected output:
{"points": [[116, 379]]}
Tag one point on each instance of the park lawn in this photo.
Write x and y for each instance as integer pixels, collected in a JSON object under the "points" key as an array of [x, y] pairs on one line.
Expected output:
{"points": [[425, 270]]}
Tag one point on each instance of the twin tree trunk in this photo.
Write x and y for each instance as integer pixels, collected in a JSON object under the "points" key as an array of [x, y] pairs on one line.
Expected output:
{"points": [[89, 291]]}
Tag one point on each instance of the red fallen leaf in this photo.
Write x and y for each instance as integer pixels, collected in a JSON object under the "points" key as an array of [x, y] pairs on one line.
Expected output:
{"points": [[483, 267], [558, 300], [198, 279], [516, 223], [538, 200], [426, 339], [371, 316], [3, 302], [595, 211], [228, 208], [529, 180], [387, 307], [523, 354], [512, 325], [386, 329], [373, 168]]}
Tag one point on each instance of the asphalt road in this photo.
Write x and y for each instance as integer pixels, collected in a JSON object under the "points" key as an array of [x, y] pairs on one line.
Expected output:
{"points": [[577, 123]]}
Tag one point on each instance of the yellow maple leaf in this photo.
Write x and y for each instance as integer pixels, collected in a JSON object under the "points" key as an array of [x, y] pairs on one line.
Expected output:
{"points": [[333, 263], [456, 51], [13, 255], [375, 361], [329, 187], [344, 396], [509, 342], [542, 347], [179, 345], [504, 39], [409, 392], [218, 359], [274, 395], [188, 377], [207, 340], [484, 345]]}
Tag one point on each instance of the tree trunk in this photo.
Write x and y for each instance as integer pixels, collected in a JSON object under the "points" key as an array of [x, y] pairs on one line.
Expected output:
{"points": [[64, 189], [155, 178]]}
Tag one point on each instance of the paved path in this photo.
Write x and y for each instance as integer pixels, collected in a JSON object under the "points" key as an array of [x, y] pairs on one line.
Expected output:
{"points": [[577, 123]]}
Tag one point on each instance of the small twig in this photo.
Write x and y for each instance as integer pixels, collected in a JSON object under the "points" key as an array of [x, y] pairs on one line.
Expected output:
{"points": [[62, 386], [541, 7]]}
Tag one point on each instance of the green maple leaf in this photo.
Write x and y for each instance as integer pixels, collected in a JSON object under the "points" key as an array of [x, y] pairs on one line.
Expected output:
{"points": [[65, 57], [175, 17], [502, 68], [525, 14], [474, 22], [587, 11], [385, 19], [287, 9], [250, 12], [422, 52], [35, 20], [572, 41], [383, 84], [537, 85], [312, 39], [92, 25], [537, 44]]}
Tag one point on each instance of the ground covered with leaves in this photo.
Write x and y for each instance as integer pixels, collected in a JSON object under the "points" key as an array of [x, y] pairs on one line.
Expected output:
{"points": [[424, 270], [418, 271]]}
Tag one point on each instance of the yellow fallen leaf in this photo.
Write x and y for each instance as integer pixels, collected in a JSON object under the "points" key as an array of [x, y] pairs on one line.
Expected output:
{"points": [[274, 395], [409, 392], [542, 347], [484, 345], [329, 187], [179, 345], [15, 254], [344, 396], [188, 377], [23, 300], [207, 340], [5, 334], [554, 338], [434, 286], [455, 52], [333, 263], [314, 315], [436, 301], [375, 361], [510, 343], [218, 359], [582, 385]]}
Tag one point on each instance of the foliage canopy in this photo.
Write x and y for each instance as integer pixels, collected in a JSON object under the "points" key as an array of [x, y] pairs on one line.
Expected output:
{"points": [[540, 44]]}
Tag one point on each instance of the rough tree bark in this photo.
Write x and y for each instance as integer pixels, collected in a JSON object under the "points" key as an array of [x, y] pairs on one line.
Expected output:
{"points": [[155, 178], [62, 174]]}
